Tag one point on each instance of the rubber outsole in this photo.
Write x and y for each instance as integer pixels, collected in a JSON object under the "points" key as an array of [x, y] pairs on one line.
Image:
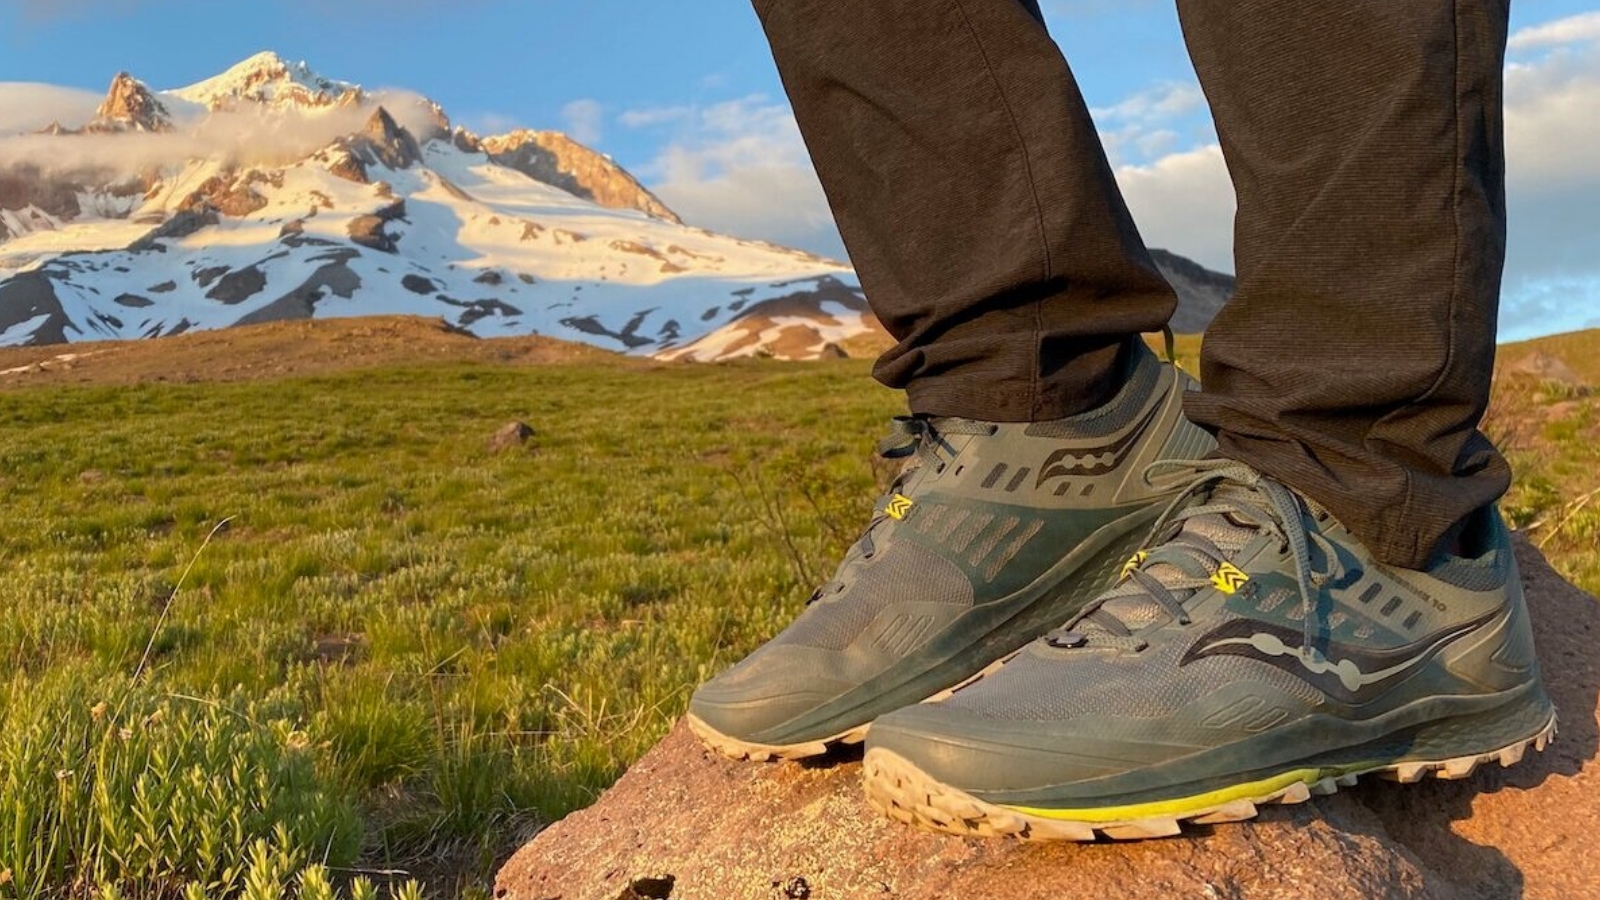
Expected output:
{"points": [[900, 790], [736, 749]]}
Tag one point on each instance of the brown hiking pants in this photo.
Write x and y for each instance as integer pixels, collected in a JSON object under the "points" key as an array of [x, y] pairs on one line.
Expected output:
{"points": [[1365, 144]]}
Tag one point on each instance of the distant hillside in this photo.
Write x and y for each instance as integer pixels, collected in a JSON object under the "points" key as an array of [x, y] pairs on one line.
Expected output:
{"points": [[1201, 291]]}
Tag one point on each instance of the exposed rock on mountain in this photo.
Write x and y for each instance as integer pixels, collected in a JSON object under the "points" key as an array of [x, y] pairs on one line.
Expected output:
{"points": [[384, 143], [555, 159], [686, 825], [130, 106]]}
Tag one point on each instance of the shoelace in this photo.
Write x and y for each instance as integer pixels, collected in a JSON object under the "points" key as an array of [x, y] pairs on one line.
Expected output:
{"points": [[1183, 561], [909, 436]]}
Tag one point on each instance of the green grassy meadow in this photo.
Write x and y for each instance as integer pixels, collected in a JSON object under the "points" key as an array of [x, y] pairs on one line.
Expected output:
{"points": [[403, 653]]}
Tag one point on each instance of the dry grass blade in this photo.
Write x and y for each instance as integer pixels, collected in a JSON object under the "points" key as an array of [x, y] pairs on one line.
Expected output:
{"points": [[172, 597], [1568, 513]]}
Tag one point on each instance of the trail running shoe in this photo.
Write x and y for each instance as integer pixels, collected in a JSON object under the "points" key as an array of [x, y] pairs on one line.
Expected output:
{"points": [[994, 534], [1258, 654]]}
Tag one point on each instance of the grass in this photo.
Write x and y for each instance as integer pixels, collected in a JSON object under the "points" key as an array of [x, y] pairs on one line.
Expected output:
{"points": [[407, 650], [403, 653]]}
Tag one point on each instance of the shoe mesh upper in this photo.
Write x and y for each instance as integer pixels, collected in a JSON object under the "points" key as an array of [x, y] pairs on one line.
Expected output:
{"points": [[905, 571], [1036, 686]]}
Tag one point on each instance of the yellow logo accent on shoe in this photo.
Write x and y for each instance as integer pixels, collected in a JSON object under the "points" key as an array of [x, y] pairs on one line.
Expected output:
{"points": [[1133, 563], [1229, 579], [899, 506]]}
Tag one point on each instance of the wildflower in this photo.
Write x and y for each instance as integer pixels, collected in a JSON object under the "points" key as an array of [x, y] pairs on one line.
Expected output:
{"points": [[97, 712]]}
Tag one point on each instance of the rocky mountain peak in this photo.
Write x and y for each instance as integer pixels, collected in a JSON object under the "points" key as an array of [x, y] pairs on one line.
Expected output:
{"points": [[381, 142], [558, 160], [131, 106], [394, 146]]}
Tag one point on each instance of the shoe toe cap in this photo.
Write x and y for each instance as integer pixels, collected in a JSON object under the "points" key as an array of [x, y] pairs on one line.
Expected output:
{"points": [[772, 688]]}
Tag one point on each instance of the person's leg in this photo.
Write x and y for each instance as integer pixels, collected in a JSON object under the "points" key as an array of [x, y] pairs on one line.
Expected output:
{"points": [[1262, 650], [1354, 362], [974, 198], [989, 235]]}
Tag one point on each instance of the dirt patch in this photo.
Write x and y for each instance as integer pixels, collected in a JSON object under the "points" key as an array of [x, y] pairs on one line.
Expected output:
{"points": [[283, 349]]}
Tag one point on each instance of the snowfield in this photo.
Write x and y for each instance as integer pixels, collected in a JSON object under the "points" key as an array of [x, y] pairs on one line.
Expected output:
{"points": [[384, 220]]}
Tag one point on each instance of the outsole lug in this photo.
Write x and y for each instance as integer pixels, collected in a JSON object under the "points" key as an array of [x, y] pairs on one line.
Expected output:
{"points": [[1142, 829], [1298, 792], [1050, 830], [900, 790], [1237, 811]]}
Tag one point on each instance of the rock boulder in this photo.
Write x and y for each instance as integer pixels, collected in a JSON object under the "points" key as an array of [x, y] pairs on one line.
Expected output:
{"points": [[684, 824]]}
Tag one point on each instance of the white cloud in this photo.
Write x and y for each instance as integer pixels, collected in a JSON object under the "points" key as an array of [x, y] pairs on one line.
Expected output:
{"points": [[1184, 202], [25, 106], [740, 167], [1571, 30], [246, 136], [584, 121], [1150, 124], [1553, 178], [1157, 103], [652, 117], [489, 123]]}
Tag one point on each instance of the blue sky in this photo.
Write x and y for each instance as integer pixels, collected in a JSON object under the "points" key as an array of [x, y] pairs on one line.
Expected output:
{"points": [[686, 96]]}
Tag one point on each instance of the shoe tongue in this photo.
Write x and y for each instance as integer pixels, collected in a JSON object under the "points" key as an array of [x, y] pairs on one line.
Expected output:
{"points": [[1137, 609]]}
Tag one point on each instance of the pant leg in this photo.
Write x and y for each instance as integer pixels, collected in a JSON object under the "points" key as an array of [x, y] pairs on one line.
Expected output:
{"points": [[975, 200], [1365, 143]]}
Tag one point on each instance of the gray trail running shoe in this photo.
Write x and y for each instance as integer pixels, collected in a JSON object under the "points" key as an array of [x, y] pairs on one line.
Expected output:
{"points": [[994, 534], [1257, 654]]}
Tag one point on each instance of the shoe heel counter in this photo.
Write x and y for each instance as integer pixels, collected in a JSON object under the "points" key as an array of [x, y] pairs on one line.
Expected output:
{"points": [[1503, 656], [1185, 440]]}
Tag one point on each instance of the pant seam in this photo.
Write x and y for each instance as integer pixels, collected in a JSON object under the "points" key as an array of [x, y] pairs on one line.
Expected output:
{"points": [[1033, 188], [1412, 545]]}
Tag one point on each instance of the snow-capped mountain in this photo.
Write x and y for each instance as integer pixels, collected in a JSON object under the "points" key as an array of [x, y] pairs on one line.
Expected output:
{"points": [[270, 192]]}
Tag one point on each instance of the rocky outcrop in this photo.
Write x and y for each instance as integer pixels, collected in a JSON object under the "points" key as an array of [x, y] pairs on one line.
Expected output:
{"points": [[30, 299], [687, 825], [130, 106], [559, 161], [333, 277], [232, 195], [24, 186], [381, 142], [182, 225], [238, 285]]}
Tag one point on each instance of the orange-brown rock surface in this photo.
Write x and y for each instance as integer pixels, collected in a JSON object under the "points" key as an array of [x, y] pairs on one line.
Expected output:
{"points": [[555, 159], [687, 825]]}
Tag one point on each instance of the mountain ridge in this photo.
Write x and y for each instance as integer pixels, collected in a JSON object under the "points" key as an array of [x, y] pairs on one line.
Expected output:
{"points": [[270, 192]]}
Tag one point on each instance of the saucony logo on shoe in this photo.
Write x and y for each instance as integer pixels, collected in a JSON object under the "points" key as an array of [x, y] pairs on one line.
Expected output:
{"points": [[1350, 674], [1066, 463]]}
